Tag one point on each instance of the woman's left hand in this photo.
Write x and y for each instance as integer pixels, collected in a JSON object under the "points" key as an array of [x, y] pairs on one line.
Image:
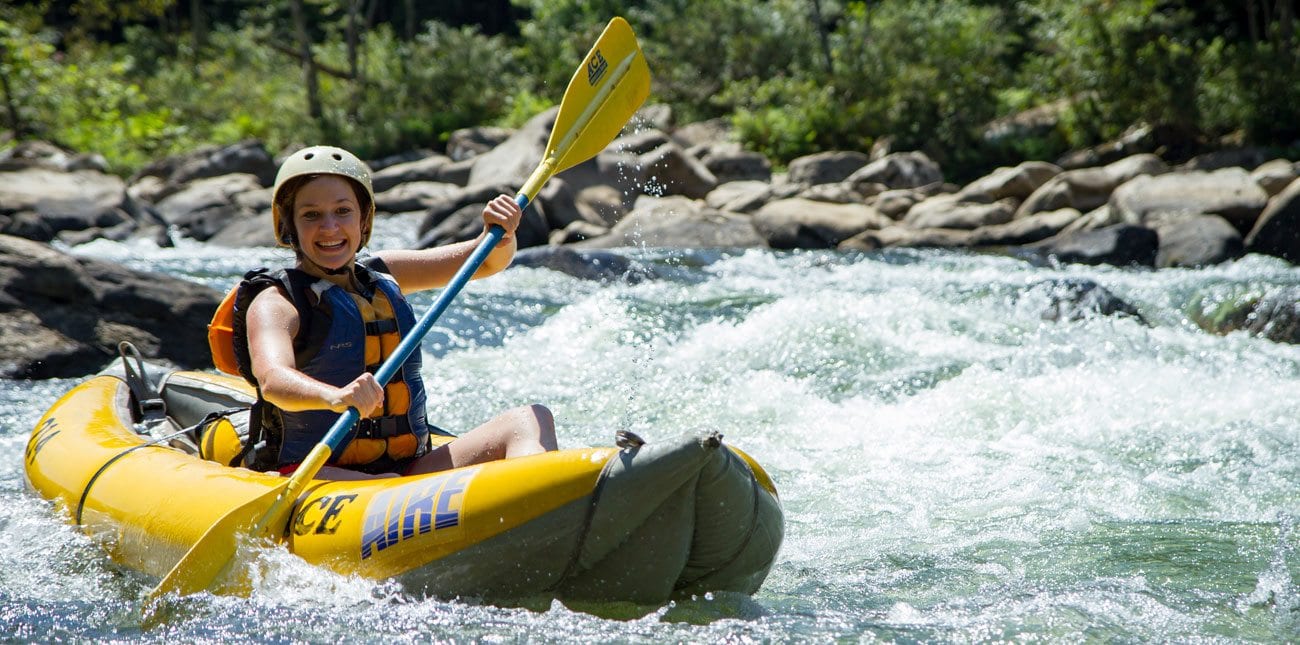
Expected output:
{"points": [[504, 212]]}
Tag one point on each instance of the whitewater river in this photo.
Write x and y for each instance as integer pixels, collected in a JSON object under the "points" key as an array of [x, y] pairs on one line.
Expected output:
{"points": [[952, 466]]}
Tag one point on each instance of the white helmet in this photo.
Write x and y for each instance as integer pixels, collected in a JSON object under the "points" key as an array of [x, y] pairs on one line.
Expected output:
{"points": [[322, 160]]}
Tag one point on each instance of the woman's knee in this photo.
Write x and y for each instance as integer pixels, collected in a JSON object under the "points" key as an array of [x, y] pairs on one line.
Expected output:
{"points": [[545, 424], [542, 414]]}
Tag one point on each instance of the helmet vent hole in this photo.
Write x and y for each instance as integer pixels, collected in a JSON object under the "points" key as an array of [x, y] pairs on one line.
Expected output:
{"points": [[337, 157], [309, 155]]}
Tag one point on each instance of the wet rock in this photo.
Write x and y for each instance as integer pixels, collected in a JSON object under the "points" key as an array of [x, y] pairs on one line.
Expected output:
{"points": [[1079, 298], [586, 264], [1274, 315], [1121, 245], [62, 316], [1277, 232], [1196, 241]]}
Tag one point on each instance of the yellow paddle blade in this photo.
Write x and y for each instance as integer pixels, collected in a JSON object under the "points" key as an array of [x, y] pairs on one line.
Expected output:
{"points": [[209, 558], [605, 91]]}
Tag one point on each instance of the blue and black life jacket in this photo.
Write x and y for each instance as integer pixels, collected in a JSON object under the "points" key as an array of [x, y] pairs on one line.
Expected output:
{"points": [[340, 335]]}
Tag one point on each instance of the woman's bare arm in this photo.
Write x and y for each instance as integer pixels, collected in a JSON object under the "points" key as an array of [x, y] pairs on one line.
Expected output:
{"points": [[272, 323]]}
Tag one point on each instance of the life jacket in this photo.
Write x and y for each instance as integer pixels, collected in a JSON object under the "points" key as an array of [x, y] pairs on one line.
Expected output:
{"points": [[340, 335]]}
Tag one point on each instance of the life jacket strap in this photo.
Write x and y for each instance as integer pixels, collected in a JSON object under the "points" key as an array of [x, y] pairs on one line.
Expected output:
{"points": [[383, 427], [381, 327]]}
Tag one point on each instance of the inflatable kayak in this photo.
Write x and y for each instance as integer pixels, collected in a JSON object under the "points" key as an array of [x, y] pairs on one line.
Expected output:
{"points": [[637, 522]]}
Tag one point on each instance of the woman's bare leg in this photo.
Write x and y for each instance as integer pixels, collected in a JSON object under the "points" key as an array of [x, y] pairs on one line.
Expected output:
{"points": [[521, 431]]}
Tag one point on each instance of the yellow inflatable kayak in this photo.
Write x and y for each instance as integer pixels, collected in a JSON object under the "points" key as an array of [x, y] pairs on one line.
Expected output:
{"points": [[641, 523]]}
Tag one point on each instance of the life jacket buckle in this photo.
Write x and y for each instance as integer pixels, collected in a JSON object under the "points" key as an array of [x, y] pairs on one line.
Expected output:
{"points": [[383, 427]]}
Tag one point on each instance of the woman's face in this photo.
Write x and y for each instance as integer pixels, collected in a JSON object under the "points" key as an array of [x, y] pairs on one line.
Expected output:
{"points": [[327, 218]]}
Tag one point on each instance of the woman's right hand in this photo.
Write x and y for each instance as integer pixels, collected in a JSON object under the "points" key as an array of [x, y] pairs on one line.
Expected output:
{"points": [[364, 393]]}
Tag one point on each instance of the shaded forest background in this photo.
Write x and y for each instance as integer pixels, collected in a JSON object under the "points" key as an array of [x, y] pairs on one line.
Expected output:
{"points": [[974, 83]]}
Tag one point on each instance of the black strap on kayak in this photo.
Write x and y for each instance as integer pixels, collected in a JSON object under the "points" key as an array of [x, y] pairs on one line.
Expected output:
{"points": [[254, 432], [149, 403], [85, 492]]}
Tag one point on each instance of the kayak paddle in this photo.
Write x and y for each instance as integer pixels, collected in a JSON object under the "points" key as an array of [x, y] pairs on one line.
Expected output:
{"points": [[604, 93]]}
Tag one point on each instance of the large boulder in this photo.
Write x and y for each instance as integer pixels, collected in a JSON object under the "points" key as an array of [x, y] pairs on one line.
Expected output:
{"points": [[1010, 182], [62, 316], [1121, 245], [1229, 193], [1085, 189], [467, 143], [56, 201], [1195, 240], [432, 168], [206, 206], [1277, 232], [246, 157], [668, 170], [586, 264], [899, 170], [826, 167], [676, 221], [459, 216], [729, 162], [1034, 228], [948, 211], [513, 160], [42, 154], [1274, 176], [414, 196], [895, 236], [804, 224]]}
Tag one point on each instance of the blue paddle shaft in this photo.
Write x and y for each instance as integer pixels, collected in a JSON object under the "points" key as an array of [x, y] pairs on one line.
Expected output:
{"points": [[339, 431]]}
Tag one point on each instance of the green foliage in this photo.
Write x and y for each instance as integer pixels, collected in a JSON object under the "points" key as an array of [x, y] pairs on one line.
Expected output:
{"points": [[924, 72], [524, 105], [1127, 61], [704, 53], [558, 36], [26, 67], [794, 76], [416, 93], [786, 118]]}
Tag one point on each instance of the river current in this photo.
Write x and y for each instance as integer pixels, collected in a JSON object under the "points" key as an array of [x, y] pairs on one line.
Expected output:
{"points": [[953, 466]]}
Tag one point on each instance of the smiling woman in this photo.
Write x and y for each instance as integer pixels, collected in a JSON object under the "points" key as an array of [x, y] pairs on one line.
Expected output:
{"points": [[311, 337]]}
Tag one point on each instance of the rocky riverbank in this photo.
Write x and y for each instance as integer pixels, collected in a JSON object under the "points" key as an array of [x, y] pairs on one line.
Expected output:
{"points": [[686, 186]]}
